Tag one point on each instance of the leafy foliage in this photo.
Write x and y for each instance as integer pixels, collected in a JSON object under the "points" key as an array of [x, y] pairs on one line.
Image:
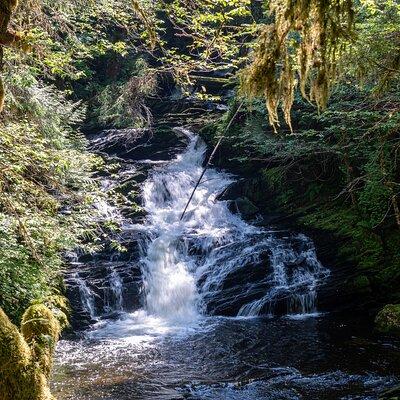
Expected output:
{"points": [[46, 191], [123, 103], [48, 195]]}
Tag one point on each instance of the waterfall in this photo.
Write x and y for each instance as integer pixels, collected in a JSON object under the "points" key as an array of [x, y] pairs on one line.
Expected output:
{"points": [[189, 264], [154, 309], [86, 294], [210, 263]]}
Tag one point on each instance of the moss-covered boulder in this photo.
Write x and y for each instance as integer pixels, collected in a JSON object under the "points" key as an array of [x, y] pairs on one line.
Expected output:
{"points": [[41, 330], [25, 358], [388, 319]]}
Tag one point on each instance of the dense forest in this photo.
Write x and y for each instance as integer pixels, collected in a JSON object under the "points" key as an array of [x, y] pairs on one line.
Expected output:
{"points": [[304, 93]]}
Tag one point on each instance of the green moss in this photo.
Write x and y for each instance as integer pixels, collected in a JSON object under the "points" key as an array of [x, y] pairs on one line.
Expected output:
{"points": [[14, 351], [41, 330], [388, 319], [60, 308], [359, 284], [21, 375]]}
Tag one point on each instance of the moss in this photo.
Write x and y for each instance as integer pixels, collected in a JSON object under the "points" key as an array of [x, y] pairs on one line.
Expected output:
{"points": [[273, 73], [388, 319], [41, 330], [360, 284], [60, 308], [24, 365], [14, 351]]}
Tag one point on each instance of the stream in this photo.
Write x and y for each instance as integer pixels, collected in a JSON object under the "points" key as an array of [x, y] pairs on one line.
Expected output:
{"points": [[211, 307]]}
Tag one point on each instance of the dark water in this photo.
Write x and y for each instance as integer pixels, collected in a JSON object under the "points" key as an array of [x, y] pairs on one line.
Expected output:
{"points": [[325, 357]]}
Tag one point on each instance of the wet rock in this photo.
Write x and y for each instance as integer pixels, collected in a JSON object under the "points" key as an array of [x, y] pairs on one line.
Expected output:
{"points": [[241, 286], [139, 144], [80, 317], [388, 319], [102, 287]]}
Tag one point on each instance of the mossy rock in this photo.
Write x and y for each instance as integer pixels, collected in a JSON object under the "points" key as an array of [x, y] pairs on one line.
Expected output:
{"points": [[388, 319], [39, 321], [14, 351], [25, 365], [41, 330]]}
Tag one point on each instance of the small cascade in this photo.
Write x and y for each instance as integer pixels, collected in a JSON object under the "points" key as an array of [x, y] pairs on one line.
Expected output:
{"points": [[296, 272], [113, 294], [86, 294], [107, 283]]}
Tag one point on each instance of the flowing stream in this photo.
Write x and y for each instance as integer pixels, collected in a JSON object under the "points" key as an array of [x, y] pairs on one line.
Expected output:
{"points": [[226, 309]]}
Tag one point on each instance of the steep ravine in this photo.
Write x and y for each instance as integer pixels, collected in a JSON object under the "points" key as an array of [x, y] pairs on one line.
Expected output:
{"points": [[210, 307]]}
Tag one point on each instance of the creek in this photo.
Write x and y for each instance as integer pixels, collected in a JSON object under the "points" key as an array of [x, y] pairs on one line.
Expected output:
{"points": [[210, 307]]}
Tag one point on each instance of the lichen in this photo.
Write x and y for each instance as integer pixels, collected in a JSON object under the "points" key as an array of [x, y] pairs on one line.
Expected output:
{"points": [[305, 42]]}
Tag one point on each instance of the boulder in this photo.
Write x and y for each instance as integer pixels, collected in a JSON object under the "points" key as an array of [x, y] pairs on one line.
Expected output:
{"points": [[26, 355], [388, 319]]}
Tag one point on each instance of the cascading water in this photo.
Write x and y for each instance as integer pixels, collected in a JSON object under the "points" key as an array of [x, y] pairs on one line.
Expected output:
{"points": [[187, 263], [114, 300], [86, 294]]}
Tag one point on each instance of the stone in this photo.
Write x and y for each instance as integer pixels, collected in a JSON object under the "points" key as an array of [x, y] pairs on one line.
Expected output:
{"points": [[388, 319]]}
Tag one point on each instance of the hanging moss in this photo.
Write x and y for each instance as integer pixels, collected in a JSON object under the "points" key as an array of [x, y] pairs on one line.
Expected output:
{"points": [[303, 46], [25, 359]]}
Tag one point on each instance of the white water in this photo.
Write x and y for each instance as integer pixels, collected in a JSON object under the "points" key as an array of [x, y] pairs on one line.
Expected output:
{"points": [[87, 295], [169, 269], [187, 263], [223, 243]]}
